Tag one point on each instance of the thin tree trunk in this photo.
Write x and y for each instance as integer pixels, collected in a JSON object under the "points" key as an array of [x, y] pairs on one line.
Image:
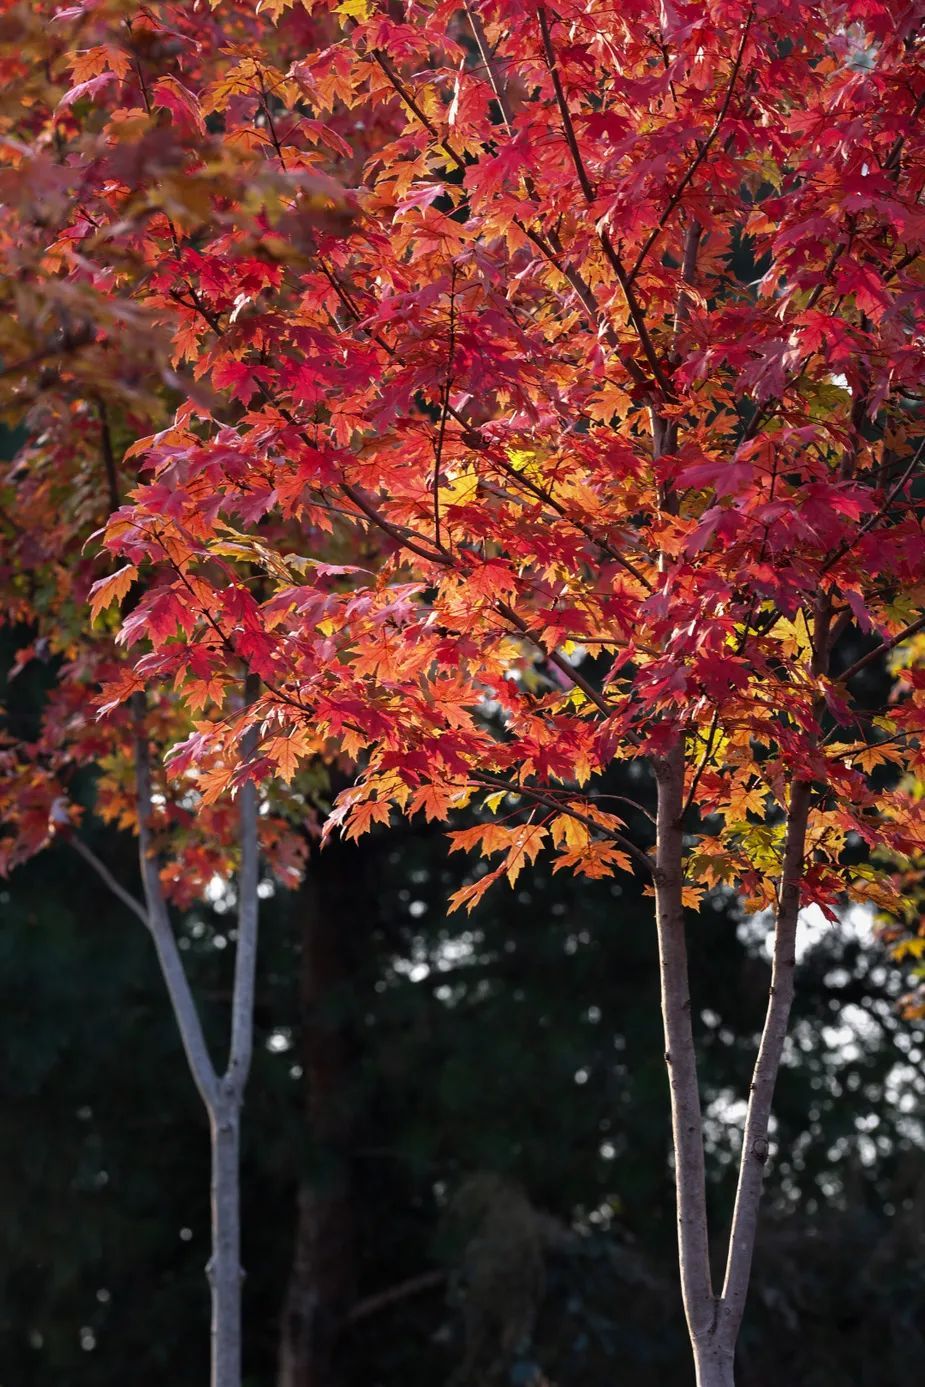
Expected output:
{"points": [[713, 1322], [224, 1269], [780, 999], [714, 1365], [680, 1057], [226, 1272]]}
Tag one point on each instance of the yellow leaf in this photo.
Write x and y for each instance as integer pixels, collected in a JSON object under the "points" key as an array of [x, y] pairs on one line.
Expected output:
{"points": [[526, 460], [793, 635], [469, 896], [569, 832], [112, 589], [909, 948], [583, 767], [461, 490], [527, 841]]}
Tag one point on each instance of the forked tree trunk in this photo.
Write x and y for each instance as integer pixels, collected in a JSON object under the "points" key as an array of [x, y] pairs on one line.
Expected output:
{"points": [[222, 1095], [714, 1321]]}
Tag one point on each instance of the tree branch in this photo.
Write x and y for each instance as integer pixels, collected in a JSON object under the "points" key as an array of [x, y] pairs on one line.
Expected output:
{"points": [[637, 316], [245, 958], [680, 1055], [424, 1281], [774, 1034], [106, 876], [498, 84], [767, 1064], [178, 988], [848, 544], [702, 153], [556, 659], [109, 457], [883, 649], [549, 800]]}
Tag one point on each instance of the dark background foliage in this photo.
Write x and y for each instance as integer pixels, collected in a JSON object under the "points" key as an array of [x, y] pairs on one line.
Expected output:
{"points": [[471, 1115]]}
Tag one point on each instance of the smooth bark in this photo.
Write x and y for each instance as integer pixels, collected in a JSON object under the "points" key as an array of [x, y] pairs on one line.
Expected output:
{"points": [[680, 1057], [224, 1268], [158, 920], [755, 1144], [714, 1365], [714, 1321]]}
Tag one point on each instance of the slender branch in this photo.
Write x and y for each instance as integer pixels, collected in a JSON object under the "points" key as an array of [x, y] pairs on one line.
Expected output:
{"points": [[424, 1281], [388, 67], [498, 84], [399, 533], [271, 124], [109, 456], [178, 988], [767, 1064], [549, 800], [698, 774], [556, 659], [106, 876], [702, 153], [774, 1034], [585, 297], [883, 649], [637, 316], [245, 959], [680, 1055], [444, 407], [568, 127], [892, 162], [848, 544], [63, 348]]}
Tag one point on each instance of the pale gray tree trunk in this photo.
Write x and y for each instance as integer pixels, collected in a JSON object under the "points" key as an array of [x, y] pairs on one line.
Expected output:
{"points": [[222, 1095], [713, 1321], [224, 1269], [714, 1366], [680, 1058]]}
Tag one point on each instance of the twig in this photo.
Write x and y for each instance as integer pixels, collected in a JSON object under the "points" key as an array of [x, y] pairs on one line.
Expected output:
{"points": [[425, 1281], [883, 649], [106, 876], [702, 153]]}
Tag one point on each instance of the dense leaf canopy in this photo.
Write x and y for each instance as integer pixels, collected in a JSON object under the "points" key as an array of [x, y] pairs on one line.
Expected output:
{"points": [[540, 385]]}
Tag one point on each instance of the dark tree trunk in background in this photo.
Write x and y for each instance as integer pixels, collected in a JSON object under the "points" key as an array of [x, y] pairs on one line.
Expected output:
{"points": [[322, 1279]]}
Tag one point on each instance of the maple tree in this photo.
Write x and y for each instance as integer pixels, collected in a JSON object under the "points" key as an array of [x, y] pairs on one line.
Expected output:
{"points": [[509, 389]]}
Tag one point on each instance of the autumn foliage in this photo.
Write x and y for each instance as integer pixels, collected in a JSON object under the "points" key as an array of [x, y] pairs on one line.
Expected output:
{"points": [[510, 391]]}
